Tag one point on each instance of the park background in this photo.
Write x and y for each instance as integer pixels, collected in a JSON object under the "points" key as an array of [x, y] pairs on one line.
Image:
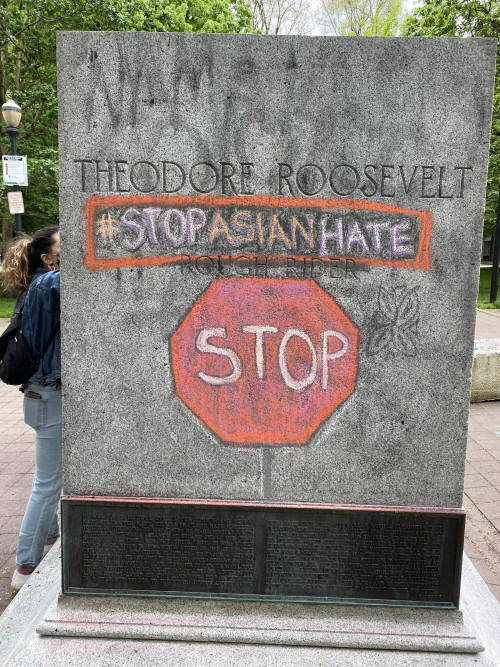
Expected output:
{"points": [[28, 70], [28, 75]]}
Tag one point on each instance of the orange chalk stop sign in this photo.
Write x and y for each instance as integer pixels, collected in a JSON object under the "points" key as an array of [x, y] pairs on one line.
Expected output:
{"points": [[264, 361]]}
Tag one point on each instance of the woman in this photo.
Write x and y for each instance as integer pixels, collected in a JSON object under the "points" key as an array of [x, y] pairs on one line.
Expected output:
{"points": [[32, 264]]}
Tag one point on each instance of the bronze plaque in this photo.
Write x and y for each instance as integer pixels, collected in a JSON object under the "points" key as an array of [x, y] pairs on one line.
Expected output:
{"points": [[316, 553]]}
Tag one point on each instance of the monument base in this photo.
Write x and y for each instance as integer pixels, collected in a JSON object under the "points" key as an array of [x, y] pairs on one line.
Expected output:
{"points": [[231, 621], [37, 606]]}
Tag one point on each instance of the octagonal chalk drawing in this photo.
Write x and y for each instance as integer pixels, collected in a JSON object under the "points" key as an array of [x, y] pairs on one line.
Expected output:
{"points": [[264, 361]]}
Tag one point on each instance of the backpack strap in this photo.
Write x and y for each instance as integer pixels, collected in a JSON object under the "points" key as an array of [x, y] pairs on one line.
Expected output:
{"points": [[17, 315], [18, 310]]}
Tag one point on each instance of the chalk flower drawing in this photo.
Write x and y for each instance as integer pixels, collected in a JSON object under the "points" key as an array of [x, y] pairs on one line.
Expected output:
{"points": [[395, 323]]}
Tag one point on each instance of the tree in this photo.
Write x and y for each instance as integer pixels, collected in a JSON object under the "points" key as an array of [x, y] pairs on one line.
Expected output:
{"points": [[28, 72], [280, 16], [467, 18], [362, 17]]}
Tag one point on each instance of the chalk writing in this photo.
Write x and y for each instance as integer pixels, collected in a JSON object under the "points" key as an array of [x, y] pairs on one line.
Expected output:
{"points": [[359, 234], [202, 345], [107, 227], [163, 230], [257, 367]]}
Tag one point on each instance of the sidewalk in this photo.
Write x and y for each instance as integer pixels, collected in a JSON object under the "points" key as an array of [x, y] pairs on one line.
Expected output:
{"points": [[17, 464], [482, 477]]}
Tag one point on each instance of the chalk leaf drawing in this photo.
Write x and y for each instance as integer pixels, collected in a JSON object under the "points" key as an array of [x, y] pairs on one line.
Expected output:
{"points": [[394, 324]]}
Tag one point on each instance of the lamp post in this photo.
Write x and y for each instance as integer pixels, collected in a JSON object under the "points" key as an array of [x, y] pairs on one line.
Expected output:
{"points": [[11, 113]]}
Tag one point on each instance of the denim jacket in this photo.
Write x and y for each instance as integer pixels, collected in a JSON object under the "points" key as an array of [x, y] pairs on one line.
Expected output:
{"points": [[40, 316]]}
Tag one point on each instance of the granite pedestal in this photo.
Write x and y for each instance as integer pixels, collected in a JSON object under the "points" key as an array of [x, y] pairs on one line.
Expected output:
{"points": [[270, 255]]}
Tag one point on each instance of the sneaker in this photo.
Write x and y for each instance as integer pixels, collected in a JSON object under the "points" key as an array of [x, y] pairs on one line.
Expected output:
{"points": [[20, 577]]}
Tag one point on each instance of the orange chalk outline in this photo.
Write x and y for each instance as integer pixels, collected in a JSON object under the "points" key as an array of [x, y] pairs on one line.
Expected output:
{"points": [[96, 203]]}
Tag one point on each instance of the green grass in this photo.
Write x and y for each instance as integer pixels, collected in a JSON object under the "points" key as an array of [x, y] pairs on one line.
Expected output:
{"points": [[7, 307], [483, 299]]}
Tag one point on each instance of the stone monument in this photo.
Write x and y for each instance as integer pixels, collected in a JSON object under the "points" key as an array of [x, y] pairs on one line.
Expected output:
{"points": [[270, 265]]}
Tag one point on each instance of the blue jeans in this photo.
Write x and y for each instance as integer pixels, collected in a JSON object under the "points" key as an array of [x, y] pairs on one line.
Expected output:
{"points": [[43, 412]]}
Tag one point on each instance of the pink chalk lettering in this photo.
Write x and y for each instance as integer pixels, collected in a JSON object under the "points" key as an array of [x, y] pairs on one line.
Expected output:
{"points": [[192, 225], [375, 228], [297, 385], [337, 235], [203, 345], [355, 235], [175, 239], [259, 332], [130, 224], [330, 356], [150, 214], [399, 250]]}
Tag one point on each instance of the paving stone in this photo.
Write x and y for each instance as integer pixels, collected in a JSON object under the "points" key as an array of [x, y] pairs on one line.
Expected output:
{"points": [[474, 480], [487, 494], [495, 589], [490, 509], [6, 542], [8, 479], [485, 570], [20, 466], [489, 465], [479, 454]]}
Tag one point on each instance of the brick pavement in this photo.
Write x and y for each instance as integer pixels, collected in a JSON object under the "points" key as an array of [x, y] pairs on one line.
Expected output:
{"points": [[482, 492], [481, 498], [17, 464]]}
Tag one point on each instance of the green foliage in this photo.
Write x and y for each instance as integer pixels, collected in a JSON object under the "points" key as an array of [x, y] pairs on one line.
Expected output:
{"points": [[483, 299], [28, 69], [7, 307], [385, 24], [362, 17], [467, 18]]}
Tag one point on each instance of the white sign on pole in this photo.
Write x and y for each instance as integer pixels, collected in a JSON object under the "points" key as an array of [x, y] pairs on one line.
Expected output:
{"points": [[15, 170], [16, 203]]}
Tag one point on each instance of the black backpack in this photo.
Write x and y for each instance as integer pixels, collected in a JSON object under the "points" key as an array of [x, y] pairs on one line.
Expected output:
{"points": [[17, 362]]}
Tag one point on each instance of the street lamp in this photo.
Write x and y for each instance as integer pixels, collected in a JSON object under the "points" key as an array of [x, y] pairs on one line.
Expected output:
{"points": [[11, 113]]}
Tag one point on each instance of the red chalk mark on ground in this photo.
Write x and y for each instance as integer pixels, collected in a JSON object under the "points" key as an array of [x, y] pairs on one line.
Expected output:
{"points": [[264, 361], [97, 204]]}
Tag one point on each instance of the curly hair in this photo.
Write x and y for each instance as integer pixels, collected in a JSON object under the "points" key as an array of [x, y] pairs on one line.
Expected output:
{"points": [[23, 258]]}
